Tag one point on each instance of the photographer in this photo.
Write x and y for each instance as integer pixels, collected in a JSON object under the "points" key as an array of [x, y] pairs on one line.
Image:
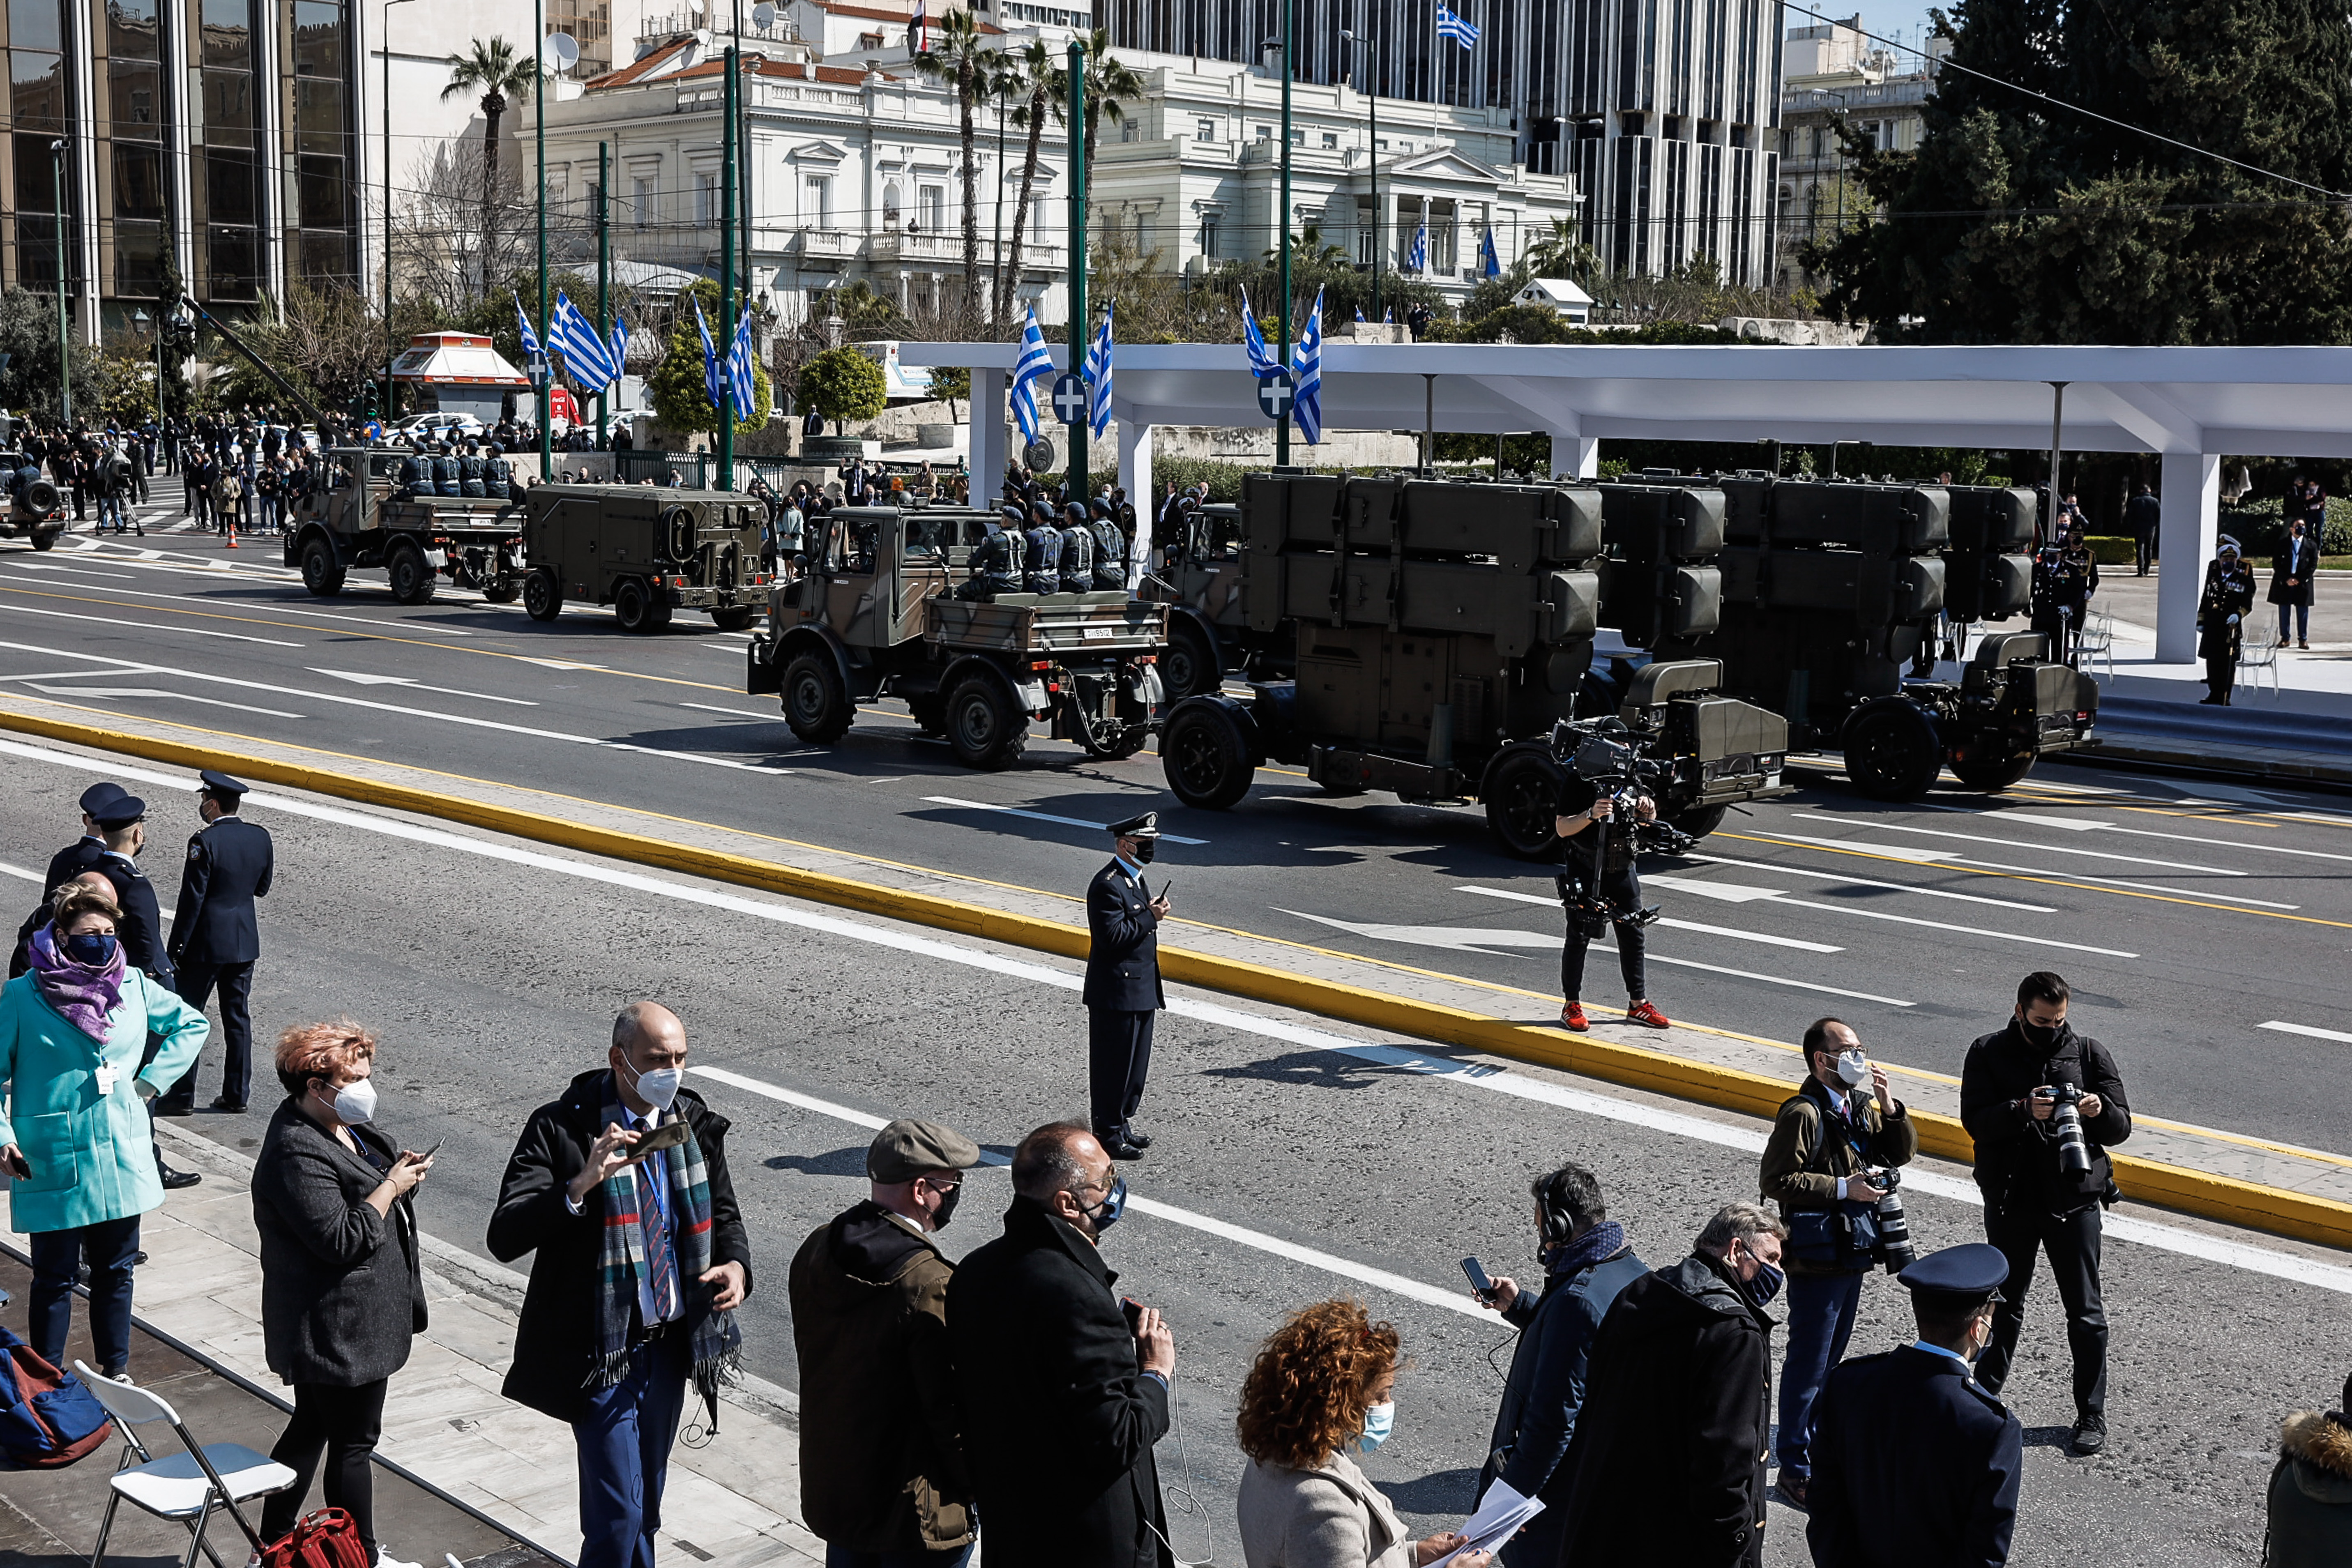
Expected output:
{"points": [[1598, 864], [2044, 1104], [1824, 1166]]}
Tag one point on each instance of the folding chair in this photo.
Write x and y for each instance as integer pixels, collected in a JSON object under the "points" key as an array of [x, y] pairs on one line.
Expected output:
{"points": [[2098, 642], [189, 1486], [2258, 654]]}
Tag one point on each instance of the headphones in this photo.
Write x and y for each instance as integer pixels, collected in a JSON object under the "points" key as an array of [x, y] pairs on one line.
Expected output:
{"points": [[1558, 1225]]}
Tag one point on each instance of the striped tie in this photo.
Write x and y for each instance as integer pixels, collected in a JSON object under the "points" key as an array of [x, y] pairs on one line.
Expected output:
{"points": [[652, 1214]]}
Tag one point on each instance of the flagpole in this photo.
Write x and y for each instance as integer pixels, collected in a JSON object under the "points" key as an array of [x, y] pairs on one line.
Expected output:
{"points": [[726, 411], [604, 275], [547, 367], [1282, 224], [1073, 473]]}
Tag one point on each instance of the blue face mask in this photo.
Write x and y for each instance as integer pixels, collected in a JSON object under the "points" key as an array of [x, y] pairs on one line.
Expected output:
{"points": [[1380, 1420], [95, 948], [1765, 1285], [1106, 1212]]}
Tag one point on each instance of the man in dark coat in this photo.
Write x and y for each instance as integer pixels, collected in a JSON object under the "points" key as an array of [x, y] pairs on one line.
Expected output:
{"points": [[616, 1321], [1667, 1464], [1587, 1263], [83, 853], [1123, 994], [2144, 520], [1916, 1464], [124, 822], [2228, 598], [2290, 579], [216, 936], [1064, 1394], [2033, 1201]]}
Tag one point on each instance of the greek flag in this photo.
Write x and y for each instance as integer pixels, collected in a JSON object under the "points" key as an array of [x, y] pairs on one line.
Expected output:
{"points": [[1487, 260], [1417, 258], [1360, 313], [1307, 370], [574, 337], [535, 358], [714, 385], [739, 379], [1035, 364], [1098, 377], [1261, 358], [1458, 28], [1387, 317], [619, 344]]}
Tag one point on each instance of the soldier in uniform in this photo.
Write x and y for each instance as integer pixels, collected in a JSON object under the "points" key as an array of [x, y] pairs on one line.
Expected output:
{"points": [[216, 937], [1078, 551], [1123, 994], [1110, 549], [1914, 1465], [996, 560], [415, 474], [445, 470], [497, 474], [1045, 542], [469, 470], [83, 853]]}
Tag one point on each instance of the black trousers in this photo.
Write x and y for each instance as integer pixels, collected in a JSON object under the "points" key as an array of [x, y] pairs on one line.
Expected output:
{"points": [[2220, 674], [342, 1424], [2146, 544], [2072, 1243], [1118, 1059], [111, 1248], [1623, 891], [197, 979]]}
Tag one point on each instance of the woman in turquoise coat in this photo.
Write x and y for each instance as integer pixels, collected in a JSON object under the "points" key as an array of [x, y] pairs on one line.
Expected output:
{"points": [[77, 1142]]}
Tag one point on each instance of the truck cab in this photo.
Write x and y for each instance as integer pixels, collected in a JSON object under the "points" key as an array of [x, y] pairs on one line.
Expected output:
{"points": [[356, 516]]}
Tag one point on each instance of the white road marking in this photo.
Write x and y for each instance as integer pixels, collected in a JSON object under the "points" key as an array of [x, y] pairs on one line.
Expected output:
{"points": [[1841, 877], [1041, 816], [144, 626], [2285, 1028], [114, 691], [267, 605], [2153, 833], [1462, 1074], [1891, 851], [2035, 848], [1899, 852], [737, 714], [2034, 818], [76, 571], [557, 663], [367, 678]]}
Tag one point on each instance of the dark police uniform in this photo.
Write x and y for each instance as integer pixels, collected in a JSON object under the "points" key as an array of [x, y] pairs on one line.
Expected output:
{"points": [[1045, 542], [995, 563], [1915, 1464], [216, 938], [1123, 994], [141, 925], [83, 853]]}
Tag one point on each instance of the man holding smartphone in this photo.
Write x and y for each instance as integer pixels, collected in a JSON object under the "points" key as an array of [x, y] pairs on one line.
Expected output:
{"points": [[1123, 994]]}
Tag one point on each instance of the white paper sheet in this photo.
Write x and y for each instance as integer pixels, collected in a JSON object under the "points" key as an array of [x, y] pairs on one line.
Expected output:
{"points": [[1501, 1513]]}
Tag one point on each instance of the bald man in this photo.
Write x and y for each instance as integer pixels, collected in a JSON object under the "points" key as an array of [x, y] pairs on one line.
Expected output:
{"points": [[619, 1190]]}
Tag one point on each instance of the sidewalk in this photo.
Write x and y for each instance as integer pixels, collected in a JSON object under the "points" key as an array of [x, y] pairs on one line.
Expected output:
{"points": [[734, 1503]]}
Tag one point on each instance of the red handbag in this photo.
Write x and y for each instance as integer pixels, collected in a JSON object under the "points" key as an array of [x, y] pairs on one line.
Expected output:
{"points": [[326, 1539]]}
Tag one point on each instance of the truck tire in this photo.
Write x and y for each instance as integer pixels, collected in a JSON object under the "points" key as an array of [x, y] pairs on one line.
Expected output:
{"points": [[1698, 821], [1205, 756], [984, 729], [1189, 668], [735, 620], [45, 538], [321, 572], [1994, 772], [816, 705], [1892, 752], [412, 577], [635, 606], [1522, 796], [542, 595]]}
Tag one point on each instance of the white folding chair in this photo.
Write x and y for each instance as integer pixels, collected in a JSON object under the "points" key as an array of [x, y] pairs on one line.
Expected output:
{"points": [[190, 1486], [2098, 642], [2258, 654]]}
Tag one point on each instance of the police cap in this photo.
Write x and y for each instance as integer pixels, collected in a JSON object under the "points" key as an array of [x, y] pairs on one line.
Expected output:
{"points": [[1075, 512], [907, 1148], [220, 783], [120, 812], [1144, 826], [1958, 1276], [1011, 513], [98, 796]]}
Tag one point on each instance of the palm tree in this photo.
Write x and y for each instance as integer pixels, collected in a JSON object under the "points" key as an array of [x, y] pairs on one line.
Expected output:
{"points": [[959, 57], [495, 72], [1109, 83], [1560, 254], [1045, 84]]}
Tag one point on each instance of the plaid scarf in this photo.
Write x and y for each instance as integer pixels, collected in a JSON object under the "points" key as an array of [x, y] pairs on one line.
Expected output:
{"points": [[716, 1341]]}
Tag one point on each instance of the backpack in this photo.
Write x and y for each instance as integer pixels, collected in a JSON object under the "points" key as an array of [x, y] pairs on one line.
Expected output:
{"points": [[325, 1539], [47, 1419]]}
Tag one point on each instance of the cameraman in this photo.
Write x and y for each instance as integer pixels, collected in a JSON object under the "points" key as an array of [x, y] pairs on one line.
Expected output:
{"points": [[2012, 1089], [1828, 1145], [1606, 875]]}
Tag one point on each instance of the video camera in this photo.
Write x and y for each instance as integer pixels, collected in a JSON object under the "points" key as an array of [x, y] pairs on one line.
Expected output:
{"points": [[1601, 753]]}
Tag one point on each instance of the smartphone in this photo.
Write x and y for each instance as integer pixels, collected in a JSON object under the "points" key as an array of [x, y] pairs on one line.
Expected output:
{"points": [[1134, 1310], [433, 1150], [1477, 1277], [668, 1135], [20, 1169]]}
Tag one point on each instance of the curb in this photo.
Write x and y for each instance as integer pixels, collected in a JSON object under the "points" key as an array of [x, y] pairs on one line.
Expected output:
{"points": [[2250, 762], [2224, 1198]]}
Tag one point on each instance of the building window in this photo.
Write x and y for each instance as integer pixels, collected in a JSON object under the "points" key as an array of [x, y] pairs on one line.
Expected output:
{"points": [[1297, 137], [130, 147], [816, 200], [1209, 236], [231, 198], [706, 200], [1204, 131], [1265, 132], [1142, 234], [641, 202], [931, 205], [890, 205], [1330, 138]]}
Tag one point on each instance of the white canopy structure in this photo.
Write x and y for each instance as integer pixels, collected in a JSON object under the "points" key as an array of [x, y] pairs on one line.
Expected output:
{"points": [[2189, 405]]}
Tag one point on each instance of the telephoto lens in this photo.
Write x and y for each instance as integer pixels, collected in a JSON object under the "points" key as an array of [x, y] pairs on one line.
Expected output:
{"points": [[2066, 1125], [1893, 1228]]}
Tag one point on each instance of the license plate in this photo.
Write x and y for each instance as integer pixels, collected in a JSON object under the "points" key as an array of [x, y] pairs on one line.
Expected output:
{"points": [[1100, 634]]}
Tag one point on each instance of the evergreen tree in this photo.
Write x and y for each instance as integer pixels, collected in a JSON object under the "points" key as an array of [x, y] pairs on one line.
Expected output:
{"points": [[2020, 221]]}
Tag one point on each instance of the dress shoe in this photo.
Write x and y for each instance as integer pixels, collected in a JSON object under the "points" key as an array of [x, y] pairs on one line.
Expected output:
{"points": [[169, 1107], [1140, 1140], [1790, 1489], [234, 1107], [2089, 1436], [1120, 1148], [174, 1181]]}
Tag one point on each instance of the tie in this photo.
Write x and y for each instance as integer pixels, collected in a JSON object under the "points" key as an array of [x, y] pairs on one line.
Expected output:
{"points": [[652, 1214]]}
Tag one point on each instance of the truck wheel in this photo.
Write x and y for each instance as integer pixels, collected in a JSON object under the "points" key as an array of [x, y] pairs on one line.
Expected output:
{"points": [[736, 620], [633, 606], [984, 729], [321, 572], [815, 705], [1205, 758], [1189, 668], [1891, 753], [1522, 801], [1698, 821], [1994, 772], [45, 538], [412, 577], [500, 590], [542, 595]]}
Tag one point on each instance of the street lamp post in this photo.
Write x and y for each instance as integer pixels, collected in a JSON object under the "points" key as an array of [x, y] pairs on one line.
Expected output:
{"points": [[391, 350], [152, 330], [726, 411], [1282, 224], [65, 346], [546, 375], [604, 280], [1075, 483]]}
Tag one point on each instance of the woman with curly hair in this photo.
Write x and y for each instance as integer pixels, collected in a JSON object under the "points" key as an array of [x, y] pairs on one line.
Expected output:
{"points": [[1324, 1385]]}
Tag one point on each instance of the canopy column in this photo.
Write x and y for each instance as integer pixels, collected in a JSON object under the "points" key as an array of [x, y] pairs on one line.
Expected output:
{"points": [[2189, 528]]}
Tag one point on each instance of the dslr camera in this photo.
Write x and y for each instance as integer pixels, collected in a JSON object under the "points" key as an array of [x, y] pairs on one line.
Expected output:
{"points": [[2066, 1128], [1893, 1226], [1601, 753]]}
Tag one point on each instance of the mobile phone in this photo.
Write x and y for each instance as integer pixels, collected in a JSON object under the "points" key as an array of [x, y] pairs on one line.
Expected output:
{"points": [[1477, 1277], [1134, 1310], [668, 1135], [433, 1150], [20, 1168]]}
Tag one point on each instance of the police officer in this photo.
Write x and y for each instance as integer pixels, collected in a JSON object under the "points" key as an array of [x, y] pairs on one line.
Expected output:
{"points": [[1078, 551], [123, 820], [1916, 1462], [1123, 994], [1045, 542], [1599, 861], [2032, 1201], [214, 935], [996, 561], [83, 853], [1110, 549]]}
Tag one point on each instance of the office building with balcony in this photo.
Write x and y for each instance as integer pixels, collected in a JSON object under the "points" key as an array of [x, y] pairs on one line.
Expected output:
{"points": [[1832, 73]]}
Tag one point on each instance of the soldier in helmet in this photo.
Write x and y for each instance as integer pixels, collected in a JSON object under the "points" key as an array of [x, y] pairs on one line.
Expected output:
{"points": [[1111, 549], [1045, 541], [1078, 551], [445, 470], [497, 474], [996, 560], [415, 473], [469, 470]]}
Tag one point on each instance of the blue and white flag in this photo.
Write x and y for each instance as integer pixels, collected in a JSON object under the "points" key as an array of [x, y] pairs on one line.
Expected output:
{"points": [[740, 382], [1417, 258], [1360, 313], [619, 345], [533, 356], [1306, 369], [1035, 364], [1488, 260], [713, 387], [1261, 358], [1454, 26], [1098, 377], [572, 335], [1387, 317]]}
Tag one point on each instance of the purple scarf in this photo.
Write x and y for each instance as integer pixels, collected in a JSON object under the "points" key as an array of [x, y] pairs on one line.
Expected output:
{"points": [[83, 997]]}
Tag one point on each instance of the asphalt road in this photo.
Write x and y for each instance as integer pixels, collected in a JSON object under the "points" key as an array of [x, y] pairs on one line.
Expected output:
{"points": [[2187, 915], [1294, 1161]]}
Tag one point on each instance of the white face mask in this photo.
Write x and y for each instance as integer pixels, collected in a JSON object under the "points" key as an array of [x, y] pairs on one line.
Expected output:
{"points": [[1853, 1067], [356, 1102], [659, 1086]]}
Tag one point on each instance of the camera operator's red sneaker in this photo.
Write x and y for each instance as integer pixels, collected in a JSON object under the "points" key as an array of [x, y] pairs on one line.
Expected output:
{"points": [[1646, 1013], [1573, 1016]]}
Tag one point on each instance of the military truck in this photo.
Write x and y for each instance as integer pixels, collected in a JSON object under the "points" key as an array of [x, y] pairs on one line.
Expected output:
{"points": [[645, 552], [1199, 577], [36, 510], [357, 517], [877, 615], [1441, 633]]}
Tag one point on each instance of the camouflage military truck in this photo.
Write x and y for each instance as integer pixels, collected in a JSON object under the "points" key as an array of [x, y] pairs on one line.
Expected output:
{"points": [[645, 552], [1199, 577], [879, 615], [36, 508], [357, 517]]}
